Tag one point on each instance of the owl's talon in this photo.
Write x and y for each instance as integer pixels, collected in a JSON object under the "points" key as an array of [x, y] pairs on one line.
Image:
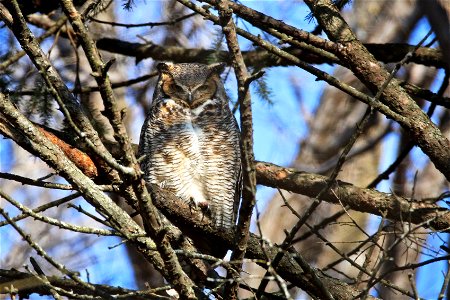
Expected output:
{"points": [[205, 209], [203, 206], [191, 204], [203, 216]]}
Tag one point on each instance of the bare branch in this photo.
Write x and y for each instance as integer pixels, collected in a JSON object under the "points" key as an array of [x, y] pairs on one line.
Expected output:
{"points": [[364, 200], [148, 24], [28, 284], [248, 163], [199, 225], [423, 132]]}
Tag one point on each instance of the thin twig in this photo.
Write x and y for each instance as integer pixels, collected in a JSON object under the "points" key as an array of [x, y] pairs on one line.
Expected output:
{"points": [[89, 215], [55, 222], [445, 283], [90, 89], [149, 24], [300, 260], [44, 207], [404, 153], [413, 285], [33, 182], [375, 237], [375, 279], [54, 263]]}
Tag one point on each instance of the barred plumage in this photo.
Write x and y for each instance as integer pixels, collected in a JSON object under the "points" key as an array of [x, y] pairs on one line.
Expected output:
{"points": [[191, 140]]}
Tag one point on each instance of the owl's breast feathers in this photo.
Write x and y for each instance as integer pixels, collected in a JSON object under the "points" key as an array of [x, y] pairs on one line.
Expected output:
{"points": [[168, 112]]}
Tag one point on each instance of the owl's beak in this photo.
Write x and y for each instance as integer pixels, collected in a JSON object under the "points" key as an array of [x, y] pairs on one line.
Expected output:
{"points": [[189, 97]]}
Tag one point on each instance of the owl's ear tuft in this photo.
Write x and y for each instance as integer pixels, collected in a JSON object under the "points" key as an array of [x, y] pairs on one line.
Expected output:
{"points": [[163, 67], [218, 67]]}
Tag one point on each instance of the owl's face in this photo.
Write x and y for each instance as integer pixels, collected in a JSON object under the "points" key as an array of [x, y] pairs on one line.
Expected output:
{"points": [[190, 84]]}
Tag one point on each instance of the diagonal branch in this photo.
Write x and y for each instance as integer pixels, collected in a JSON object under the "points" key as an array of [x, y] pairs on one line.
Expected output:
{"points": [[359, 199], [419, 126], [100, 70], [248, 159], [59, 90], [56, 159]]}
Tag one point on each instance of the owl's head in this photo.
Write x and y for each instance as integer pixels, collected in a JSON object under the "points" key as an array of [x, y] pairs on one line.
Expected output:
{"points": [[190, 84]]}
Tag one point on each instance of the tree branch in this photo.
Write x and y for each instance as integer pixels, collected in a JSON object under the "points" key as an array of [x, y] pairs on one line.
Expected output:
{"points": [[353, 53], [387, 53], [248, 159], [27, 284], [200, 226], [359, 199], [56, 159]]}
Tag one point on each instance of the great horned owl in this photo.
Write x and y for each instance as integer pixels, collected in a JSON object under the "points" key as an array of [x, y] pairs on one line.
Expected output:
{"points": [[191, 140]]}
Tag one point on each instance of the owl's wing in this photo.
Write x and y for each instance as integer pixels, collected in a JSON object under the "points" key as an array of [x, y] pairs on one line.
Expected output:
{"points": [[237, 195], [147, 135]]}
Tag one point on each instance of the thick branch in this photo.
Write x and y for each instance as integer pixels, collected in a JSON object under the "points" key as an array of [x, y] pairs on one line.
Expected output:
{"points": [[200, 226], [56, 159], [257, 58], [387, 53], [353, 53], [28, 284], [359, 199]]}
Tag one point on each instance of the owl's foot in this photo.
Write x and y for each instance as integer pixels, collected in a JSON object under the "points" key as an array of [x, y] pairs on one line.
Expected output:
{"points": [[203, 205]]}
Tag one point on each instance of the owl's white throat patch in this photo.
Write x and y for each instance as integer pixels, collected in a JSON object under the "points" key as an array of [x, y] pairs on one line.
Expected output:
{"points": [[198, 110], [169, 102]]}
